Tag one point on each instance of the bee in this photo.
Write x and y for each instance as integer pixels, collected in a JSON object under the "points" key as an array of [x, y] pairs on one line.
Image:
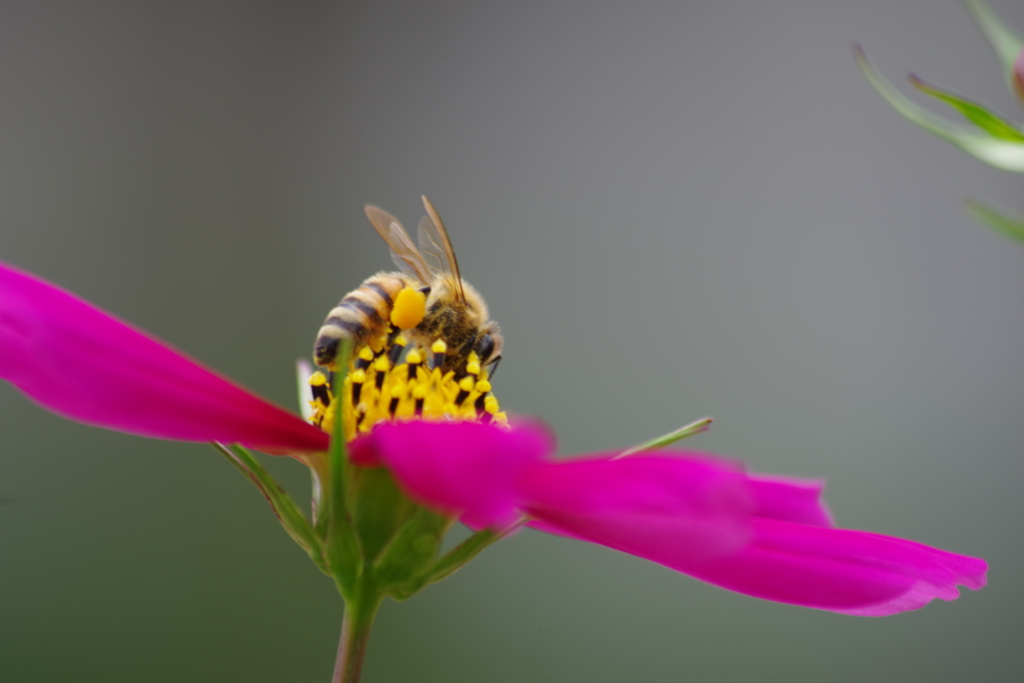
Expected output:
{"points": [[454, 311]]}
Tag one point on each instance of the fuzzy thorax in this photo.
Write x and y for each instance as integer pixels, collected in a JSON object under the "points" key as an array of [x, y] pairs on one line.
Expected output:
{"points": [[388, 381]]}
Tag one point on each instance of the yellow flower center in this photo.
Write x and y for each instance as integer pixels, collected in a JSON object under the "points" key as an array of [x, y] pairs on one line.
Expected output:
{"points": [[389, 382]]}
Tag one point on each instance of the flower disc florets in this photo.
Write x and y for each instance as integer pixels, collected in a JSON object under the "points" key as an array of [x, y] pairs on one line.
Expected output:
{"points": [[389, 381]]}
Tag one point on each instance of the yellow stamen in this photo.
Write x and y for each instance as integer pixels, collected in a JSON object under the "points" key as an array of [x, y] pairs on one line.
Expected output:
{"points": [[381, 386], [397, 347], [364, 358]]}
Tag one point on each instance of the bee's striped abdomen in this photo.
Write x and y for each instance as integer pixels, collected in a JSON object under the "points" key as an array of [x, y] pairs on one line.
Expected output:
{"points": [[359, 316]]}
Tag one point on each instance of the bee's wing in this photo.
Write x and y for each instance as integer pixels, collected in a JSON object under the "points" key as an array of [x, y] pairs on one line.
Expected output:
{"points": [[403, 252], [434, 242], [431, 251]]}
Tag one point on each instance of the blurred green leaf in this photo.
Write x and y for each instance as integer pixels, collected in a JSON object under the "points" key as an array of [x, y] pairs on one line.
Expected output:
{"points": [[342, 548], [1008, 225], [1006, 42], [1005, 154], [973, 112]]}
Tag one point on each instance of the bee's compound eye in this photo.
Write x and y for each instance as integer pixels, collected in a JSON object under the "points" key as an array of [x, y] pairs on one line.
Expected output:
{"points": [[425, 290], [484, 348]]}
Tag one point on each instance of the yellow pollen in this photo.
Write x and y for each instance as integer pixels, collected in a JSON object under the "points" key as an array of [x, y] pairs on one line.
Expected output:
{"points": [[381, 386], [410, 306]]}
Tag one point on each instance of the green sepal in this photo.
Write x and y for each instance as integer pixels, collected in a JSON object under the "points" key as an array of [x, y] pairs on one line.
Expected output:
{"points": [[452, 561], [287, 512], [995, 219], [1005, 41], [973, 112], [379, 509], [1005, 154], [412, 550], [654, 444], [342, 549]]}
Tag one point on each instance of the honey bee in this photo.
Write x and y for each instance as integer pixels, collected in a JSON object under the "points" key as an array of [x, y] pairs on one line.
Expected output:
{"points": [[454, 311]]}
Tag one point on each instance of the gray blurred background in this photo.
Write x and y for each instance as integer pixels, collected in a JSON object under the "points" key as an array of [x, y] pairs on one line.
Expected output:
{"points": [[675, 209]]}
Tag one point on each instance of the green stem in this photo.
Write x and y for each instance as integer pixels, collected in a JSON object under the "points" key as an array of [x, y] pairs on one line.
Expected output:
{"points": [[360, 611]]}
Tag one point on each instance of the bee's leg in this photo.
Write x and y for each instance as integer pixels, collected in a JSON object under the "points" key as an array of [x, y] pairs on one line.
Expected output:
{"points": [[392, 333]]}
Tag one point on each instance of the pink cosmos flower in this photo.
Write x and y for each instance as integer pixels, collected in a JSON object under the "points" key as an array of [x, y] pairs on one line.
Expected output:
{"points": [[771, 538]]}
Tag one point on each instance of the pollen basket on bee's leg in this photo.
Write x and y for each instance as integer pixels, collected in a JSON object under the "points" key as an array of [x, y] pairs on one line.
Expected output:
{"points": [[391, 380], [410, 306]]}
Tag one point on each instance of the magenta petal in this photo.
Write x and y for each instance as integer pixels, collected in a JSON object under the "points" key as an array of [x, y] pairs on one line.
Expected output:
{"points": [[362, 451], [846, 571], [662, 508], [790, 500], [461, 468], [86, 365]]}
